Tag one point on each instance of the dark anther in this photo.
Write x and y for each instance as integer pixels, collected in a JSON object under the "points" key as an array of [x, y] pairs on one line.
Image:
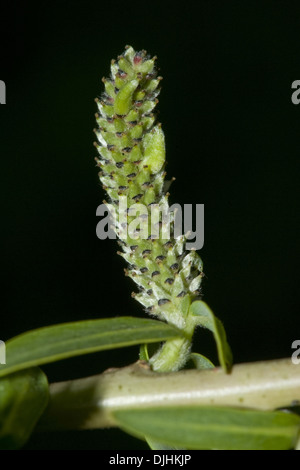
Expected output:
{"points": [[155, 273], [131, 267], [168, 245], [174, 266], [137, 197], [181, 294], [144, 270], [159, 258], [169, 281], [121, 73], [149, 309], [119, 164], [126, 149], [134, 247], [122, 188], [163, 301], [150, 292], [146, 252], [131, 175]]}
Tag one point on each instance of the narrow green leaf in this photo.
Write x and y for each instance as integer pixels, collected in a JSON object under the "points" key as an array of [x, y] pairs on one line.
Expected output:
{"points": [[205, 317], [23, 398], [66, 340], [147, 350], [144, 355], [155, 445], [200, 362], [221, 428]]}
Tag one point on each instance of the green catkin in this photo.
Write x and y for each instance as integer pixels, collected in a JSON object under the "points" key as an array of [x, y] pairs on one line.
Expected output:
{"points": [[131, 148]]}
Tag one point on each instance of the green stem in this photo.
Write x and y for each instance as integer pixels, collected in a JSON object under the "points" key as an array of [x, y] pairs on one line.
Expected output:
{"points": [[90, 403], [174, 353]]}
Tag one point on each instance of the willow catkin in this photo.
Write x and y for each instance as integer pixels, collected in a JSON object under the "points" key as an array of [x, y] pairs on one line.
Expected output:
{"points": [[131, 148]]}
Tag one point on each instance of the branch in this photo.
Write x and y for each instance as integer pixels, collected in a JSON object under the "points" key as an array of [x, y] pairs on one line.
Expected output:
{"points": [[89, 403]]}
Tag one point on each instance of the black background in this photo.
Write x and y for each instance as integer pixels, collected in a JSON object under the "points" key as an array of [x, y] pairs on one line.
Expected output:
{"points": [[232, 139]]}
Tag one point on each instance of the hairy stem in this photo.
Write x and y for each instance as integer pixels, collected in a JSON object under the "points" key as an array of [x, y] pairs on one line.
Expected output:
{"points": [[89, 403], [173, 354]]}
